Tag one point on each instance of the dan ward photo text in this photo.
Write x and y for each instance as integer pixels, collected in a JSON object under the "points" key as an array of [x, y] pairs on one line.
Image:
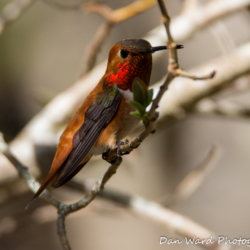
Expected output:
{"points": [[207, 241]]}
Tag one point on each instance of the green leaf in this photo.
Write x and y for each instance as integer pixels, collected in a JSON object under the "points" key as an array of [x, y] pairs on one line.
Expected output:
{"points": [[149, 96], [140, 92], [137, 114], [137, 106]]}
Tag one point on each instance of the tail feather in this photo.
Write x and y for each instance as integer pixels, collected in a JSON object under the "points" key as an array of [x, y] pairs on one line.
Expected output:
{"points": [[63, 177], [48, 181], [58, 178]]}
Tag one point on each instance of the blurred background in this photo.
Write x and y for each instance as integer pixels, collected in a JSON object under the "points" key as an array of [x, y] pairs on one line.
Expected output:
{"points": [[42, 54]]}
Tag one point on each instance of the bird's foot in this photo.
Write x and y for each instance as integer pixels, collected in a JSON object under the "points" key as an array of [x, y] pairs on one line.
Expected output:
{"points": [[119, 152], [108, 158]]}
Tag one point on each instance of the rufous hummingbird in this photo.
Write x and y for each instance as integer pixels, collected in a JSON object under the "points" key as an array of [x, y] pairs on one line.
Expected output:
{"points": [[103, 118]]}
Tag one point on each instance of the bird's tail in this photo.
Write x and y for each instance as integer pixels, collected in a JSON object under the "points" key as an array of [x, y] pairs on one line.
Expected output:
{"points": [[48, 181], [58, 178]]}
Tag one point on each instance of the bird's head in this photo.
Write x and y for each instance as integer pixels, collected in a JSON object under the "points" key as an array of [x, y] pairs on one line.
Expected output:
{"points": [[128, 59]]}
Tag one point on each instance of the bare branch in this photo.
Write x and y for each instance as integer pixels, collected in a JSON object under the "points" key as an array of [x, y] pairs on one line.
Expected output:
{"points": [[121, 14], [173, 72], [131, 10], [136, 204], [173, 68], [185, 74], [142, 207], [152, 115], [166, 20], [63, 209], [62, 231], [145, 209], [99, 185], [42, 128], [24, 173], [178, 102]]}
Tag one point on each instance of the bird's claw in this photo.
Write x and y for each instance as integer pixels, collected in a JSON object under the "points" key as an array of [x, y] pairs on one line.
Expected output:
{"points": [[119, 152]]}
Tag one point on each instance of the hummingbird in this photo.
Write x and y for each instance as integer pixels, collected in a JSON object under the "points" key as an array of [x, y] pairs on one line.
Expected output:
{"points": [[103, 119]]}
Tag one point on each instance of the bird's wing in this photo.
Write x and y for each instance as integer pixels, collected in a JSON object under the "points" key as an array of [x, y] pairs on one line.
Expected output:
{"points": [[97, 117]]}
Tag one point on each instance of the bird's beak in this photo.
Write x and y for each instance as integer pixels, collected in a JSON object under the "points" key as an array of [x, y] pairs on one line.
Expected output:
{"points": [[153, 49]]}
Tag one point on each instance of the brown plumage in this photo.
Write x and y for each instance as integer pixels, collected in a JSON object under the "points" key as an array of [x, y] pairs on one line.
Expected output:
{"points": [[104, 116]]}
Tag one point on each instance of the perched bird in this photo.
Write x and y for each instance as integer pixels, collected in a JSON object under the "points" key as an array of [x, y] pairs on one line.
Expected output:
{"points": [[103, 118]]}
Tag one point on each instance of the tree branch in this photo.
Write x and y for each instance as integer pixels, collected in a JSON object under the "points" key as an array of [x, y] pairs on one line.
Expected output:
{"points": [[145, 209], [121, 14], [43, 128], [141, 207], [149, 209], [62, 231], [63, 209]]}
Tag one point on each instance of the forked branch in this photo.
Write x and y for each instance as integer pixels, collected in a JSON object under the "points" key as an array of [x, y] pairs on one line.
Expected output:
{"points": [[174, 71], [152, 115], [138, 205]]}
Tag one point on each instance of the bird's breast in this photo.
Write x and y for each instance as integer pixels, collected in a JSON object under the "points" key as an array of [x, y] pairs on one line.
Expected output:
{"points": [[127, 94], [127, 121]]}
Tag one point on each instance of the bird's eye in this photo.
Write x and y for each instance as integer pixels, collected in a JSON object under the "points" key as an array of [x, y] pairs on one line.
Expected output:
{"points": [[124, 53]]}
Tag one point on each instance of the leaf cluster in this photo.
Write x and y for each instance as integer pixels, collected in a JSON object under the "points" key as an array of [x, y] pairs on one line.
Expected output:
{"points": [[142, 99]]}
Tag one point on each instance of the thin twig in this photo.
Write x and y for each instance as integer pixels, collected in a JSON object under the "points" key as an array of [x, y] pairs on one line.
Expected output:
{"points": [[62, 231], [183, 73], [63, 209], [166, 20], [24, 173], [173, 72], [152, 114], [173, 221], [173, 67], [99, 185]]}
